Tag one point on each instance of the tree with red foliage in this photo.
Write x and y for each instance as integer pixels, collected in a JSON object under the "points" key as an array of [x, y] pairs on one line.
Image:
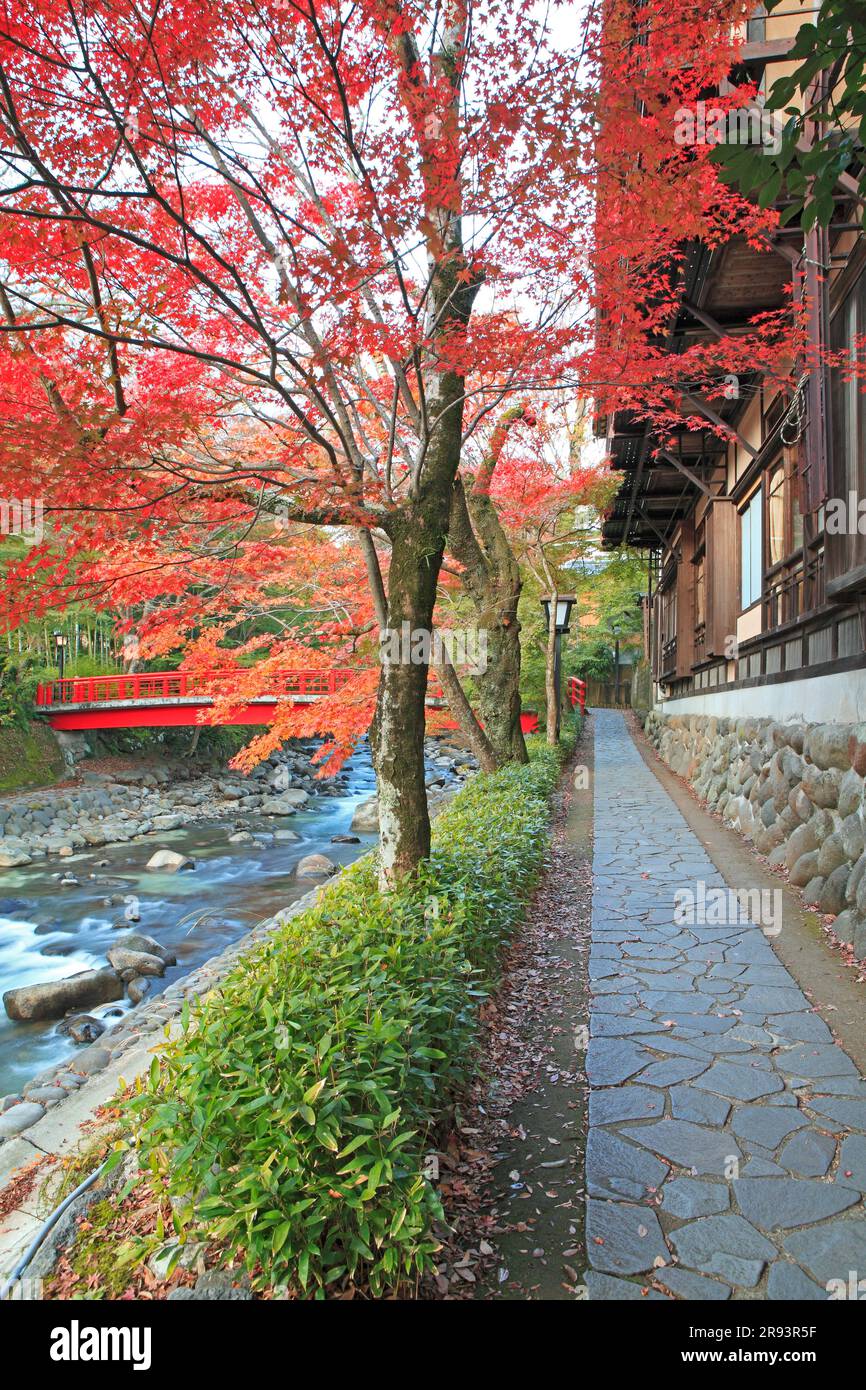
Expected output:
{"points": [[280, 214], [340, 241]]}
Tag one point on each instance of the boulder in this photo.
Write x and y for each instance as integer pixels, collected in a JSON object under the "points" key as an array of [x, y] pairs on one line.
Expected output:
{"points": [[20, 1117], [827, 745], [82, 1028], [854, 881], [128, 964], [831, 899], [831, 854], [850, 793], [802, 841], [138, 988], [137, 941], [277, 806], [822, 788], [851, 835], [54, 998], [168, 861], [857, 749], [295, 796], [812, 891], [844, 925], [14, 858], [366, 817], [315, 866], [804, 869]]}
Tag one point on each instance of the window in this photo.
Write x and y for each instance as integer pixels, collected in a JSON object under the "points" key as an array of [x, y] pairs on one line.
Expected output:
{"points": [[700, 594], [756, 29], [776, 499], [751, 551], [847, 399]]}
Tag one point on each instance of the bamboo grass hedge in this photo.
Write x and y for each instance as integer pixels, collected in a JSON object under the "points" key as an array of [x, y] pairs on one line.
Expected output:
{"points": [[302, 1097]]}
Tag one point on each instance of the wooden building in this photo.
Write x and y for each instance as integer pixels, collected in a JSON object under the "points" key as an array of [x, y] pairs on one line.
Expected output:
{"points": [[757, 542]]}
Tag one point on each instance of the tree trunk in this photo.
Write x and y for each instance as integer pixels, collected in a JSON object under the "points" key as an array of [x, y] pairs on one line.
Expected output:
{"points": [[397, 732], [491, 577], [498, 687], [460, 707]]}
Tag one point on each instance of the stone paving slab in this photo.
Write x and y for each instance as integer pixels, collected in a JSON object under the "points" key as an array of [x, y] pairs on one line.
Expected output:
{"points": [[727, 1148]]}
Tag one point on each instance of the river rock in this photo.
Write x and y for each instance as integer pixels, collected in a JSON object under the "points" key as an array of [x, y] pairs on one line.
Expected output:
{"points": [[138, 988], [54, 998], [366, 817], [286, 835], [19, 1118], [137, 941], [14, 858], [296, 796], [128, 964], [82, 1028], [315, 866], [345, 839], [169, 861], [277, 806]]}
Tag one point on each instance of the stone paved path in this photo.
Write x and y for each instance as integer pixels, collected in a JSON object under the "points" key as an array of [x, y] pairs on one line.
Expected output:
{"points": [[727, 1145]]}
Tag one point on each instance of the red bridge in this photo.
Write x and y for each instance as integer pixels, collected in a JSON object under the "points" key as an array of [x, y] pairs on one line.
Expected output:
{"points": [[149, 699]]}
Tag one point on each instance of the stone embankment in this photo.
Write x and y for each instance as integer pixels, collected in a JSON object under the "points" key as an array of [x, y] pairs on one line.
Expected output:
{"points": [[795, 790]]}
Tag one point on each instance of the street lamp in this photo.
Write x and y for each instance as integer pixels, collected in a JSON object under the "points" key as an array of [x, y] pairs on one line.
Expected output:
{"points": [[564, 604], [615, 629], [59, 650]]}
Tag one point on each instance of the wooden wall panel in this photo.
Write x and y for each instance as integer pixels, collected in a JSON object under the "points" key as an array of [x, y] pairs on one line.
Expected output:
{"points": [[686, 599], [722, 581]]}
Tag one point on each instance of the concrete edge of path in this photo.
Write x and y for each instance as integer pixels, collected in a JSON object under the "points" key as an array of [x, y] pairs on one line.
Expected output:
{"points": [[800, 946]]}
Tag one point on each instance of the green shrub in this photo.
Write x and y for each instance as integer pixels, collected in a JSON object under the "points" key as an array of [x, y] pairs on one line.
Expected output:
{"points": [[302, 1097]]}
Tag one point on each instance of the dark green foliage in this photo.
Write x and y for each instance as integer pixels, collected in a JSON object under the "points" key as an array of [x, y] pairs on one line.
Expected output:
{"points": [[16, 689], [302, 1098], [835, 45]]}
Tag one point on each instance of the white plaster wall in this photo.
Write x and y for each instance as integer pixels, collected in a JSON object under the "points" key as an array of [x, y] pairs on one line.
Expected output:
{"points": [[836, 699]]}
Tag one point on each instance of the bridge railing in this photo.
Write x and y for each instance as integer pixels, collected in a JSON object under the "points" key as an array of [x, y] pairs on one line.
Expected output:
{"points": [[145, 686]]}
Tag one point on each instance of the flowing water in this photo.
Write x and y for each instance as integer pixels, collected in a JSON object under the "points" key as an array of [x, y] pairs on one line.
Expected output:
{"points": [[47, 932]]}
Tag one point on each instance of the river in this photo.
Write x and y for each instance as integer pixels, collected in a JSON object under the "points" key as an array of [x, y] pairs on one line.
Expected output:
{"points": [[47, 931]]}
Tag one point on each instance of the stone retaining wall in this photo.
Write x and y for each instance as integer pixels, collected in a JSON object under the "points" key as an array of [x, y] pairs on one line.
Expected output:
{"points": [[795, 790]]}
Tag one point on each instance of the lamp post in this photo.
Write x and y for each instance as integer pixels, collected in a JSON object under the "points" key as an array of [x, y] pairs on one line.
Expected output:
{"points": [[59, 650], [615, 629], [557, 613]]}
